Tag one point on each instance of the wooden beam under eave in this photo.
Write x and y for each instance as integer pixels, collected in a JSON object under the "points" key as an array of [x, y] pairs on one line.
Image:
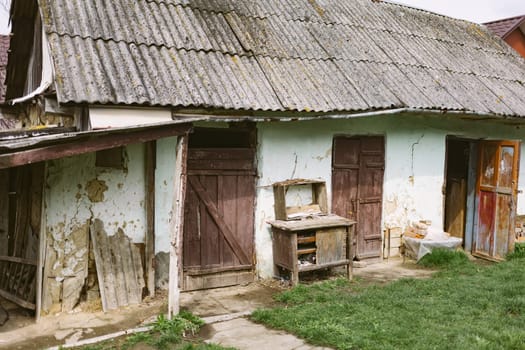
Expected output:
{"points": [[89, 143], [177, 227]]}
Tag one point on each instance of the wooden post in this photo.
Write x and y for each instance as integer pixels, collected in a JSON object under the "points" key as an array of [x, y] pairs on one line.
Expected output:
{"points": [[177, 226], [350, 250], [42, 236], [150, 162]]}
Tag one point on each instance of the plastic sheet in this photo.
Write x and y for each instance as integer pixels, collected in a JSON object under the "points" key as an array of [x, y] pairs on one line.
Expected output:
{"points": [[423, 246]]}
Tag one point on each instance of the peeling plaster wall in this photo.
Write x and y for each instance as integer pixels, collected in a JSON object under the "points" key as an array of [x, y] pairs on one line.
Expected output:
{"points": [[164, 187], [164, 193], [77, 192], [415, 149], [123, 205], [67, 215]]}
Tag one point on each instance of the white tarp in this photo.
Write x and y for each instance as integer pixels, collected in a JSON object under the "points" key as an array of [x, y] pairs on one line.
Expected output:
{"points": [[423, 246]]}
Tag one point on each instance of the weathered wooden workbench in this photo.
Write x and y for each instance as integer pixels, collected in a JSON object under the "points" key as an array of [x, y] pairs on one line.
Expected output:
{"points": [[312, 243]]}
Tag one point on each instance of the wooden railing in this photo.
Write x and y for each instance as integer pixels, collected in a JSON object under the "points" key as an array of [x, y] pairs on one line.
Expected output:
{"points": [[17, 281]]}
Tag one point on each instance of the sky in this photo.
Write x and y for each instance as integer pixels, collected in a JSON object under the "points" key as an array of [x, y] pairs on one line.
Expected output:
{"points": [[478, 11]]}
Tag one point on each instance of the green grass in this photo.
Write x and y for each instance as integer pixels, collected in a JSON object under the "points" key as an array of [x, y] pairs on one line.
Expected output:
{"points": [[518, 253], [445, 258], [464, 306], [165, 334]]}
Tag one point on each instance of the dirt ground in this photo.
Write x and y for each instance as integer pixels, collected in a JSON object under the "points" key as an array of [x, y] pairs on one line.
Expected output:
{"points": [[20, 331]]}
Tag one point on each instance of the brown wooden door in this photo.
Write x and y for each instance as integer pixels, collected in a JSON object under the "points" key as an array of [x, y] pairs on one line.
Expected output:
{"points": [[496, 195], [219, 215], [357, 188]]}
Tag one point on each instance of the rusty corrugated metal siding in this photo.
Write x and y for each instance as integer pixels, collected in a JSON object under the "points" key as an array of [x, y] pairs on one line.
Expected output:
{"points": [[278, 55]]}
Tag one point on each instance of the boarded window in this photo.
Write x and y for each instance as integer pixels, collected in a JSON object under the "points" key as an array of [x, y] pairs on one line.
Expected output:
{"points": [[110, 158]]}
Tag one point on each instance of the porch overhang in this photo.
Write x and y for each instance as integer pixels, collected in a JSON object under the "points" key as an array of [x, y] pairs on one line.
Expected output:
{"points": [[48, 146]]}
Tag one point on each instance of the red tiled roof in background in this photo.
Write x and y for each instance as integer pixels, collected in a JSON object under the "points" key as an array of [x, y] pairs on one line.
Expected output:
{"points": [[4, 49], [504, 27]]}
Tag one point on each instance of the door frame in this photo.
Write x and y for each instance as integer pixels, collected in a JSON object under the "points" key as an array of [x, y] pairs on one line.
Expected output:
{"points": [[192, 276], [472, 202]]}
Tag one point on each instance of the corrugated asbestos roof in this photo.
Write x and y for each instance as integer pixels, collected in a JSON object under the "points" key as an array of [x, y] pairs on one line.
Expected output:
{"points": [[278, 55], [504, 27]]}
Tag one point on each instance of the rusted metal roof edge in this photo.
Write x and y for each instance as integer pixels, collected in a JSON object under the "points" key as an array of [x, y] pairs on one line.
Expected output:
{"points": [[256, 116]]}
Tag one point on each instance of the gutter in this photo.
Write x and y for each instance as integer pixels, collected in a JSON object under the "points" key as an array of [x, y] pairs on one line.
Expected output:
{"points": [[47, 73], [231, 118]]}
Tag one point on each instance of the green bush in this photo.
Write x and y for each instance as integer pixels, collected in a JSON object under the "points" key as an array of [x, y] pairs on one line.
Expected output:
{"points": [[518, 253]]}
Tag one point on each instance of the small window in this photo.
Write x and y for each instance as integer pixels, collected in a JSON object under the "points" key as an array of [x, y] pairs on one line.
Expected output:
{"points": [[110, 158]]}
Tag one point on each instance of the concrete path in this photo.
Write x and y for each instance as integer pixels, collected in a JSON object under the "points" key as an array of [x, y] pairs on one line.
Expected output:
{"points": [[242, 334], [233, 329]]}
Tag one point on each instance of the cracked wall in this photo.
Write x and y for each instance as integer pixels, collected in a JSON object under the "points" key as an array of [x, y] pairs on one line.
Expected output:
{"points": [[77, 192], [415, 149]]}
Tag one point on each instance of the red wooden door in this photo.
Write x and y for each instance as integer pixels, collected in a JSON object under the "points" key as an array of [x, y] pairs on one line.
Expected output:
{"points": [[496, 191], [357, 188], [219, 213]]}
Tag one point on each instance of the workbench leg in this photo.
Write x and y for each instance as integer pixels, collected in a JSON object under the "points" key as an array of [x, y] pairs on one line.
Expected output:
{"points": [[295, 276], [350, 251]]}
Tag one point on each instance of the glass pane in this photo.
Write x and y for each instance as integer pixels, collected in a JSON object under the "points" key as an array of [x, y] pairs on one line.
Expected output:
{"points": [[488, 170], [505, 167]]}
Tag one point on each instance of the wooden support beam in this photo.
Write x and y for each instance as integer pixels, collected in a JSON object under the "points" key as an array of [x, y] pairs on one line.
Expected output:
{"points": [[18, 260], [177, 227], [150, 161], [89, 142], [19, 301], [42, 241]]}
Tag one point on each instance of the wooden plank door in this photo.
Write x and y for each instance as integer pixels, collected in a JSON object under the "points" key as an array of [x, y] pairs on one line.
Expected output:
{"points": [[357, 189], [496, 195], [219, 216]]}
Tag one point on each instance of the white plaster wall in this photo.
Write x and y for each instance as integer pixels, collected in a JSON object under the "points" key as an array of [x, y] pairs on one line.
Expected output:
{"points": [[124, 201], [164, 185], [65, 206], [68, 204], [77, 192], [414, 170]]}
